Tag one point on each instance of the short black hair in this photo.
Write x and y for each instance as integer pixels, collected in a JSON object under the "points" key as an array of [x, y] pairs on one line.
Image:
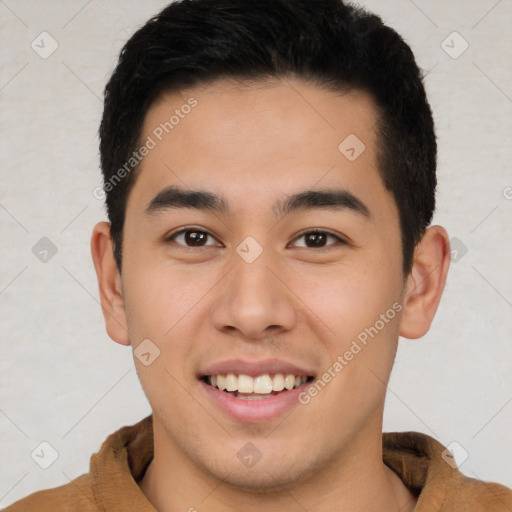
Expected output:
{"points": [[328, 43]]}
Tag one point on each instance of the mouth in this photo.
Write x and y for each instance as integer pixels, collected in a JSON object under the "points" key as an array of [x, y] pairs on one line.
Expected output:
{"points": [[256, 391], [260, 387]]}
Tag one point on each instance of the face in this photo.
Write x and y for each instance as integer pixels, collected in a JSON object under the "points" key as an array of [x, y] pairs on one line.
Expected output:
{"points": [[285, 269]]}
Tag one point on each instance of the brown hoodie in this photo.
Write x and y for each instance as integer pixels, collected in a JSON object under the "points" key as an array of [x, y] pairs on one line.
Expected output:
{"points": [[111, 484]]}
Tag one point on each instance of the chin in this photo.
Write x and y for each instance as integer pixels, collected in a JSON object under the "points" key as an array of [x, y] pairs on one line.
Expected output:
{"points": [[266, 477], [260, 481]]}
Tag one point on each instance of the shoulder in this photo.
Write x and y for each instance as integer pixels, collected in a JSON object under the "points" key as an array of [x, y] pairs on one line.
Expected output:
{"points": [[121, 460], [430, 471], [476, 495], [72, 497]]}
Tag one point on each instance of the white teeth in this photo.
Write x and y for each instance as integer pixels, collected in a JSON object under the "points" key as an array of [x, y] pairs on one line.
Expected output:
{"points": [[221, 382], [245, 384], [289, 381], [277, 382], [262, 385], [231, 382]]}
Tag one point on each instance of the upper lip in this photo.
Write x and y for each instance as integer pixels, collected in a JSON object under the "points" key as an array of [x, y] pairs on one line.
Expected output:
{"points": [[255, 368]]}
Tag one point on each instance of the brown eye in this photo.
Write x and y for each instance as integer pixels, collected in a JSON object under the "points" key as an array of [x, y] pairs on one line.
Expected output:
{"points": [[192, 238], [317, 239]]}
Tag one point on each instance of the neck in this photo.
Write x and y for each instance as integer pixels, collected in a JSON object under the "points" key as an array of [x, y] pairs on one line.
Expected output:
{"points": [[356, 480]]}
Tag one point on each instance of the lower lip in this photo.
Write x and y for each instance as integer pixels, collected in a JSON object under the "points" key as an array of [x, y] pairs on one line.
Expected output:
{"points": [[252, 411]]}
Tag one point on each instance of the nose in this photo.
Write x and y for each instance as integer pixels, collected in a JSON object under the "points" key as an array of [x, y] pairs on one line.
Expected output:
{"points": [[253, 301]]}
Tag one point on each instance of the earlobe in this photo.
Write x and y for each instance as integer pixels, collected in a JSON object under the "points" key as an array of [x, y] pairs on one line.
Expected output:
{"points": [[425, 283], [110, 285]]}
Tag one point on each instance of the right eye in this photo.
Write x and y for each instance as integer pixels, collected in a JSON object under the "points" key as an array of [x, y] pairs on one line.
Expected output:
{"points": [[192, 238]]}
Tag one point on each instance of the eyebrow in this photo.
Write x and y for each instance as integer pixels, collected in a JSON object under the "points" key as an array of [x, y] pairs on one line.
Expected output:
{"points": [[332, 199]]}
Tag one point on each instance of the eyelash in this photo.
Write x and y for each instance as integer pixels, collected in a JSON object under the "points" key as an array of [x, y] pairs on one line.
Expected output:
{"points": [[172, 238]]}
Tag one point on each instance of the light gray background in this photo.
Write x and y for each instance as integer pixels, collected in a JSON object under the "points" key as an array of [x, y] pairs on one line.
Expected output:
{"points": [[65, 382]]}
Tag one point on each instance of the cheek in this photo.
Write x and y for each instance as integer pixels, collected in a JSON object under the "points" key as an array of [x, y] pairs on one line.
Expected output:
{"points": [[360, 304], [362, 312], [351, 297], [160, 304], [161, 301]]}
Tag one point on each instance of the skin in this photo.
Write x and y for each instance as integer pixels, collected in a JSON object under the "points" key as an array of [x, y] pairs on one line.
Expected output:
{"points": [[255, 144]]}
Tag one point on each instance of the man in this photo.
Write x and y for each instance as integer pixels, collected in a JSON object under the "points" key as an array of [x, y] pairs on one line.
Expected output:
{"points": [[270, 176]]}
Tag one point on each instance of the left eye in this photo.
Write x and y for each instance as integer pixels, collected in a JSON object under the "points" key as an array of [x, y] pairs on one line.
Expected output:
{"points": [[192, 238], [317, 239]]}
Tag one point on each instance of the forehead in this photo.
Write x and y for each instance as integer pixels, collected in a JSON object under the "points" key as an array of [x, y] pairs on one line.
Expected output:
{"points": [[253, 140]]}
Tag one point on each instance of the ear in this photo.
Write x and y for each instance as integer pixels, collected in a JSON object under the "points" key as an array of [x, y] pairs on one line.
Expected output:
{"points": [[109, 281], [425, 283]]}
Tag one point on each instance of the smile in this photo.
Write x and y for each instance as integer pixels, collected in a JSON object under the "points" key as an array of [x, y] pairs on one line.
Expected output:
{"points": [[255, 388]]}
